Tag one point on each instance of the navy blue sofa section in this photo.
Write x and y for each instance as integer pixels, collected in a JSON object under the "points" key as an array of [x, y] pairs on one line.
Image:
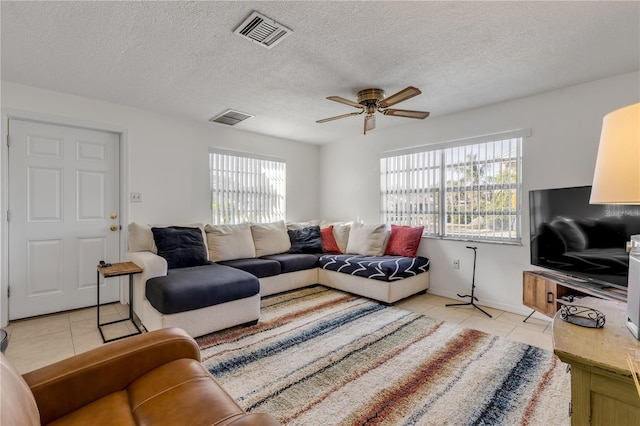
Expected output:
{"points": [[290, 262], [383, 268], [261, 268], [268, 266], [186, 289]]}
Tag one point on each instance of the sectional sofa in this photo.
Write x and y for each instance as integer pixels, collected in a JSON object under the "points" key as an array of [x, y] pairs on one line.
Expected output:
{"points": [[208, 278]]}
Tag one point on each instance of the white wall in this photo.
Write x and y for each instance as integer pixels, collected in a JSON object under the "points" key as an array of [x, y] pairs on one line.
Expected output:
{"points": [[166, 160], [561, 152], [168, 156], [168, 165]]}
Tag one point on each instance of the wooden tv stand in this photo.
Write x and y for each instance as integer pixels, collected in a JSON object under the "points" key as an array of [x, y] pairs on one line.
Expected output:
{"points": [[602, 387], [546, 292]]}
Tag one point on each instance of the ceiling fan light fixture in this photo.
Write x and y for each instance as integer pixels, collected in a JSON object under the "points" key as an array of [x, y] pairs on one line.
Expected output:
{"points": [[370, 96], [372, 100]]}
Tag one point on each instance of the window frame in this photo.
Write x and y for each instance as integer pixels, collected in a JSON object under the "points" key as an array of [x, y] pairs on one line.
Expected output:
{"points": [[275, 200], [441, 229]]}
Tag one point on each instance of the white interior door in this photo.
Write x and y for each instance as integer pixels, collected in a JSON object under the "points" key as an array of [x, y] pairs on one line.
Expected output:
{"points": [[63, 207]]}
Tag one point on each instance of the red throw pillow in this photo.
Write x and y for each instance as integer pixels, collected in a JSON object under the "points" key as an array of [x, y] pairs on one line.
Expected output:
{"points": [[329, 243], [404, 240]]}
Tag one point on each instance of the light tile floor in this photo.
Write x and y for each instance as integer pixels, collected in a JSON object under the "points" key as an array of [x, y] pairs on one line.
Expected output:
{"points": [[37, 342]]}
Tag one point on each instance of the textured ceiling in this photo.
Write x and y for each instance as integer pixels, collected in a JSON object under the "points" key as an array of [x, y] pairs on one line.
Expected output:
{"points": [[182, 58]]}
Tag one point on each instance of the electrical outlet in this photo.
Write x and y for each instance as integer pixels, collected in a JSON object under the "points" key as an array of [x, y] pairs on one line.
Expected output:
{"points": [[136, 197], [456, 264]]}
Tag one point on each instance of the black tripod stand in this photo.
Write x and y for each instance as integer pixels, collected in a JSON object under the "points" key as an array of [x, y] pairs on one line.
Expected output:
{"points": [[473, 287]]}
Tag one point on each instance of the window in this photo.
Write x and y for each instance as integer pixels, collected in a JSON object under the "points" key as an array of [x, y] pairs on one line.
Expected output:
{"points": [[246, 188], [468, 190]]}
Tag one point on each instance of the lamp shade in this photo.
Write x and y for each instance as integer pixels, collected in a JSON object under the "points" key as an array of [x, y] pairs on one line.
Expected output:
{"points": [[616, 179]]}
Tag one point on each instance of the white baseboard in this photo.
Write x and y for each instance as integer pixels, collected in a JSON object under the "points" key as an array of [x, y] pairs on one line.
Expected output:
{"points": [[520, 310]]}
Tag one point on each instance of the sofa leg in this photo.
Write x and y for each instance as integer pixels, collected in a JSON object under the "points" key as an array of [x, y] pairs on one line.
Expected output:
{"points": [[250, 323]]}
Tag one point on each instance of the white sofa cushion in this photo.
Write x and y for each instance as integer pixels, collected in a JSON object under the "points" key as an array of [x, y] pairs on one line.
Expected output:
{"points": [[270, 238], [367, 240], [229, 242]]}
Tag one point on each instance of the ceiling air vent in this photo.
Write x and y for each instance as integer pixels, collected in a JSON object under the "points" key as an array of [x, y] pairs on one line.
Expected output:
{"points": [[231, 117], [262, 30]]}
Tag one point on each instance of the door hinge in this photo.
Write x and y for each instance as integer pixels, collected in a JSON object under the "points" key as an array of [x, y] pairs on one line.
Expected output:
{"points": [[8, 215], [8, 292]]}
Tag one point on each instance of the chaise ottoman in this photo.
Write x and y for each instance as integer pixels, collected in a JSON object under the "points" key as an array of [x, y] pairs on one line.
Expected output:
{"points": [[202, 299]]}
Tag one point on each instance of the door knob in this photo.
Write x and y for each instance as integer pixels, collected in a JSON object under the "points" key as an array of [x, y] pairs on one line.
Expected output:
{"points": [[113, 228], [114, 216]]}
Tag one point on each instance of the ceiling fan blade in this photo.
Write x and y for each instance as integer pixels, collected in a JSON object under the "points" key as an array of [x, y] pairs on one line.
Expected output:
{"points": [[369, 123], [402, 95], [405, 113], [324, 120], [344, 101]]}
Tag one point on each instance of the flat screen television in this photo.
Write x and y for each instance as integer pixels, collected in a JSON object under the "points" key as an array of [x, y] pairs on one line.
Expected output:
{"points": [[581, 240]]}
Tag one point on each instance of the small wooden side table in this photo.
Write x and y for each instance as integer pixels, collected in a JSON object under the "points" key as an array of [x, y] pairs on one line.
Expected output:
{"points": [[117, 270]]}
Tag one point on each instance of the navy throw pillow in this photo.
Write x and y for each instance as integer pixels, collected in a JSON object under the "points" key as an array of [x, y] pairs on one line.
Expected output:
{"points": [[181, 246], [306, 240]]}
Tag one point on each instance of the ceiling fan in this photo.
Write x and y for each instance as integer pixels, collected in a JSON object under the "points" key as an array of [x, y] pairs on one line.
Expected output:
{"points": [[372, 100]]}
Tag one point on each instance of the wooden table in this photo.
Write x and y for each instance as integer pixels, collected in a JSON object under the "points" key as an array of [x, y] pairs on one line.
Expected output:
{"points": [[117, 270], [602, 388]]}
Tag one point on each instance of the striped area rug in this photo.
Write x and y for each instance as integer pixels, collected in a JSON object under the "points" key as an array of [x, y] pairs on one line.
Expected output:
{"points": [[322, 357]]}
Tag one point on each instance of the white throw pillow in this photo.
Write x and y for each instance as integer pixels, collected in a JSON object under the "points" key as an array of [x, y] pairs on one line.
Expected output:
{"points": [[270, 238], [367, 240], [340, 232], [229, 242], [293, 226], [141, 238]]}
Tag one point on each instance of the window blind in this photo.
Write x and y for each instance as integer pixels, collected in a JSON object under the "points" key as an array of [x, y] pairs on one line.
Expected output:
{"points": [[482, 191], [246, 188], [410, 190], [466, 190]]}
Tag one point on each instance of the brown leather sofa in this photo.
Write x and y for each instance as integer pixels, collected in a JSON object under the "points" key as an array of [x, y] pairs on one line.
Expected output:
{"points": [[154, 378]]}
